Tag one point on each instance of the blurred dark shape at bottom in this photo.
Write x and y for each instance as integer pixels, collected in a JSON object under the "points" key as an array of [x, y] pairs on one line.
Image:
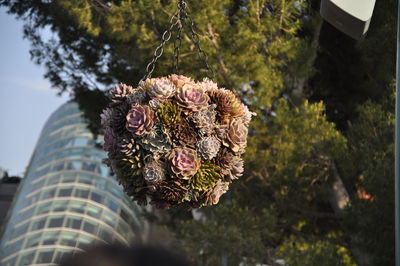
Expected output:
{"points": [[116, 255]]}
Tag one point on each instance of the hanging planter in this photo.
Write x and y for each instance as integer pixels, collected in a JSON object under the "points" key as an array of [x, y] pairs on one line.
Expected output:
{"points": [[173, 140]]}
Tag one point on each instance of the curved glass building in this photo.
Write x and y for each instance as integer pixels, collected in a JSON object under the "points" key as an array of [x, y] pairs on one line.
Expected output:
{"points": [[67, 200]]}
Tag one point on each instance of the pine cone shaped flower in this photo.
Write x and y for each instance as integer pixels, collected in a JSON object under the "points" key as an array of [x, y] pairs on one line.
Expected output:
{"points": [[137, 96], [106, 117], [119, 119], [208, 147], [206, 177], [129, 168], [120, 93], [129, 147], [232, 166], [228, 105], [161, 88], [156, 141], [154, 172], [183, 135], [171, 191], [184, 162], [169, 113], [140, 119], [110, 144]]}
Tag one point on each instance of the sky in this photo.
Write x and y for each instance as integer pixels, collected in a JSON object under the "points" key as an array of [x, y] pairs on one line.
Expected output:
{"points": [[26, 98]]}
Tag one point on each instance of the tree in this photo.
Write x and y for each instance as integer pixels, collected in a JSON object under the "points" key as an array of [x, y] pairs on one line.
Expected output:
{"points": [[282, 60]]}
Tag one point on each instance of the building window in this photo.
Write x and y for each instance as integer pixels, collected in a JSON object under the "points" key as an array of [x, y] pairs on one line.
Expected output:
{"points": [[68, 239], [32, 241], [81, 193], [45, 257], [74, 223], [69, 178], [50, 238], [44, 208], [77, 206], [65, 192], [89, 227], [96, 197], [38, 224], [27, 258], [47, 194], [56, 222], [60, 205], [93, 211]]}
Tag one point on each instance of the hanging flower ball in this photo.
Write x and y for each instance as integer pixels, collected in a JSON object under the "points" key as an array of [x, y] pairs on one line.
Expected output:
{"points": [[175, 141]]}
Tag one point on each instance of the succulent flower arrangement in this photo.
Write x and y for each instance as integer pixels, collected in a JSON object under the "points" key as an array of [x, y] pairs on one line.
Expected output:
{"points": [[175, 141]]}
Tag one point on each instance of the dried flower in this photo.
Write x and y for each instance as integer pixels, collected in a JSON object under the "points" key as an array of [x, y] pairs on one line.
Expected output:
{"points": [[128, 146], [237, 136], [182, 134], [228, 105], [154, 104], [119, 119], [170, 191], [161, 88], [247, 115], [106, 117], [140, 119], [184, 162], [120, 93], [154, 172], [215, 194], [232, 166], [205, 118], [208, 147], [208, 84], [192, 97], [179, 80], [110, 144], [137, 96]]}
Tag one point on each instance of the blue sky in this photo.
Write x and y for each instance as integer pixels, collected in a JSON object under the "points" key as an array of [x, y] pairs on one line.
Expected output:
{"points": [[26, 98]]}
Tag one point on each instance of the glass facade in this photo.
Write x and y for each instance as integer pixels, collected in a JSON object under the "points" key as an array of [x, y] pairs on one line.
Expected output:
{"points": [[67, 199]]}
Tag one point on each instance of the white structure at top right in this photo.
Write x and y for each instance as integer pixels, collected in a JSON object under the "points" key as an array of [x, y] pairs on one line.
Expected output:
{"points": [[349, 16]]}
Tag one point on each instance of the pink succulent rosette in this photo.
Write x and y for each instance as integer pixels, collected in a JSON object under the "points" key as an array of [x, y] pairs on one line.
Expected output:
{"points": [[192, 97], [140, 119], [184, 162], [175, 141]]}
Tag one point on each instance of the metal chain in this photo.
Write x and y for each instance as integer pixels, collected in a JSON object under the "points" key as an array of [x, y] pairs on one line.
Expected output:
{"points": [[196, 41], [180, 18], [160, 49], [177, 45]]}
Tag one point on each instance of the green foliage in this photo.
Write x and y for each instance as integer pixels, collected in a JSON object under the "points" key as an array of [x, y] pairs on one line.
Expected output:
{"points": [[299, 252], [242, 235], [369, 169]]}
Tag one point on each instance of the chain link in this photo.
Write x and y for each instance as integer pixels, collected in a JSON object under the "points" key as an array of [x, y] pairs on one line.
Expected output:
{"points": [[196, 41], [177, 45], [160, 49], [180, 19]]}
